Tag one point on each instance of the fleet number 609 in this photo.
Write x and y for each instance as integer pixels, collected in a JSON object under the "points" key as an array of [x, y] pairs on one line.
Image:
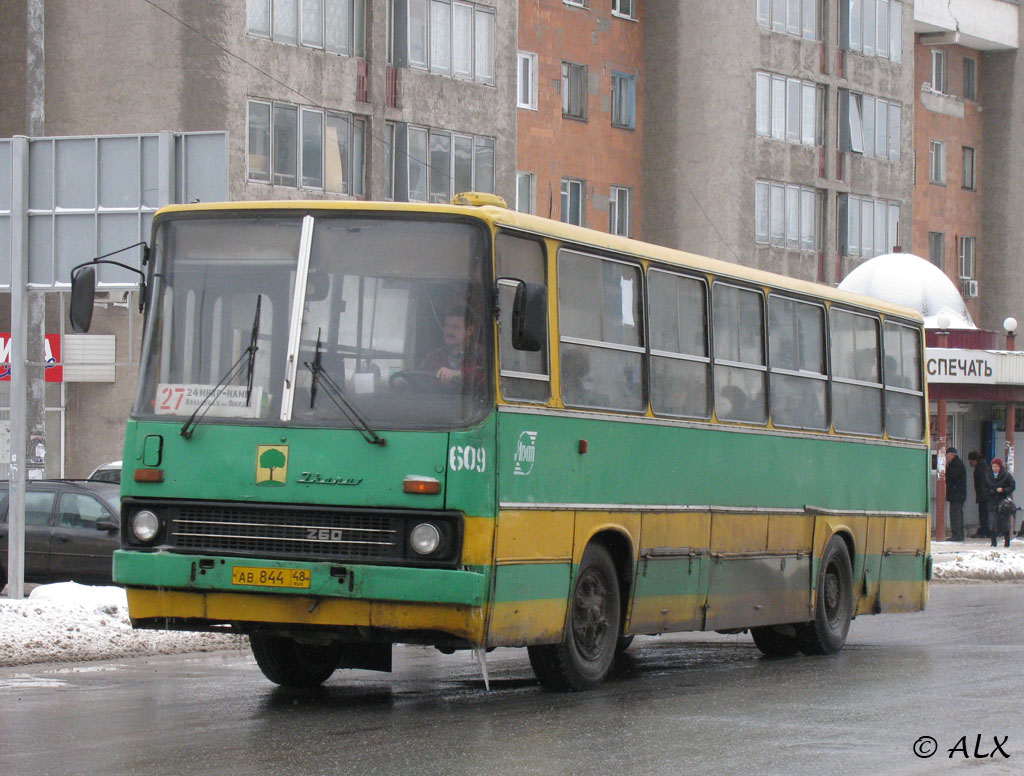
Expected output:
{"points": [[468, 458]]}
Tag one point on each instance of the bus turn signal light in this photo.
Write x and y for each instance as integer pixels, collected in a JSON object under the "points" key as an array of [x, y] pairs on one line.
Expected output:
{"points": [[149, 475], [427, 486]]}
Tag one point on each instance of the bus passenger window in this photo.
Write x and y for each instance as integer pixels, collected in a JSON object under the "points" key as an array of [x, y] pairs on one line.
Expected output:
{"points": [[796, 345], [739, 355], [600, 317], [680, 367], [904, 399], [856, 383]]}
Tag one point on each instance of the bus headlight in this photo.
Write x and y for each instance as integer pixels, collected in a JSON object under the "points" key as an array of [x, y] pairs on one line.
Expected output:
{"points": [[145, 526], [425, 538]]}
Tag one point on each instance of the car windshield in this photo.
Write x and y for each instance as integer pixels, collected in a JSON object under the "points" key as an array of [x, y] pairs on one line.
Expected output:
{"points": [[392, 332]]}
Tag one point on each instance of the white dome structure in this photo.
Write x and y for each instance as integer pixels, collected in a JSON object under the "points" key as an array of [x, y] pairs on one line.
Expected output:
{"points": [[909, 280]]}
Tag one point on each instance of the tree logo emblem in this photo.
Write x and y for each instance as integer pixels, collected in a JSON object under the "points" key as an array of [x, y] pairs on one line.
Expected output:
{"points": [[272, 465]]}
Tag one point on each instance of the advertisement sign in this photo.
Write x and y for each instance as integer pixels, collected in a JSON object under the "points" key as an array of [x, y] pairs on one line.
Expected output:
{"points": [[54, 372], [953, 365]]}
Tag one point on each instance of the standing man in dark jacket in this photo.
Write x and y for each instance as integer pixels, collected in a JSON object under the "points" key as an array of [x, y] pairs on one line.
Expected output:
{"points": [[956, 493], [982, 485]]}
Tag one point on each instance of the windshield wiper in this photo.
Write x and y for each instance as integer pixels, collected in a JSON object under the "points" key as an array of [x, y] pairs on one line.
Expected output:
{"points": [[337, 396], [235, 369]]}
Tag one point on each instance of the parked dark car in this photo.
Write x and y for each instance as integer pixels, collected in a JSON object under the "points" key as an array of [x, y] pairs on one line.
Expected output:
{"points": [[71, 530]]}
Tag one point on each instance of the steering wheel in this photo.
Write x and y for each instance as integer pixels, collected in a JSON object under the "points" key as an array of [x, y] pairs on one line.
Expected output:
{"points": [[414, 380]]}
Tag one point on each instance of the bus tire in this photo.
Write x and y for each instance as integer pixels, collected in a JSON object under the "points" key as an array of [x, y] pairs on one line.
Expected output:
{"points": [[833, 608], [290, 663], [592, 627], [774, 643]]}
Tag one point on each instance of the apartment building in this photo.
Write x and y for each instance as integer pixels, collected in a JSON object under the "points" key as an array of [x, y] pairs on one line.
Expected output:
{"points": [[580, 112], [954, 42], [783, 131], [320, 99]]}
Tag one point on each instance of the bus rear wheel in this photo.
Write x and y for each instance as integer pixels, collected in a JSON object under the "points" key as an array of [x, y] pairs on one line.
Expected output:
{"points": [[773, 642], [833, 608], [291, 663], [585, 655]]}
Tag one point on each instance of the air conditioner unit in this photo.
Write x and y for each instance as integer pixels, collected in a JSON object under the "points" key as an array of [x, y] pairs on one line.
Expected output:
{"points": [[968, 288]]}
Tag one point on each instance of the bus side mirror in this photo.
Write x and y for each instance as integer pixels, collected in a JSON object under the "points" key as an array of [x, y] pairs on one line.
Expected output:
{"points": [[530, 317], [83, 292]]}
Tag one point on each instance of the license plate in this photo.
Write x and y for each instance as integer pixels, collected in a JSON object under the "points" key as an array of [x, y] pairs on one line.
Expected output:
{"points": [[265, 577]]}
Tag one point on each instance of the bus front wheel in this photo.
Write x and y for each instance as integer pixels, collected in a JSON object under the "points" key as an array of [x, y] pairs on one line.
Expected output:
{"points": [[587, 650], [291, 663], [833, 609]]}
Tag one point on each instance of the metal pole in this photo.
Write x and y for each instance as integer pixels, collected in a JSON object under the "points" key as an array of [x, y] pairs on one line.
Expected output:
{"points": [[19, 369]]}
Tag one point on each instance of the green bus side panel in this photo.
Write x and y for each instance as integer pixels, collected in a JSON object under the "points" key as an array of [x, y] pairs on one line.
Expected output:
{"points": [[532, 582], [633, 463]]}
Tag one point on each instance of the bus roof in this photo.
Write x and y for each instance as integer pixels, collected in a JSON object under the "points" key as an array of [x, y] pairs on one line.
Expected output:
{"points": [[583, 236]]}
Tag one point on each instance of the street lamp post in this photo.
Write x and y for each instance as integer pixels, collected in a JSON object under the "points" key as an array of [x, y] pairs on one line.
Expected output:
{"points": [[1010, 325]]}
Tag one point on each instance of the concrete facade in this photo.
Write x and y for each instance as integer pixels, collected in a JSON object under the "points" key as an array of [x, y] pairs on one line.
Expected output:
{"points": [[116, 68], [551, 146], [703, 154], [1002, 274]]}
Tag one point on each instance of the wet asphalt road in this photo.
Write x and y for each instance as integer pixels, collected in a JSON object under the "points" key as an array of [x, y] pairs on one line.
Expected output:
{"points": [[680, 704]]}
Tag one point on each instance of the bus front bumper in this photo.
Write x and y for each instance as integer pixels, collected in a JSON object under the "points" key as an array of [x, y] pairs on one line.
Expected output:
{"points": [[196, 589]]}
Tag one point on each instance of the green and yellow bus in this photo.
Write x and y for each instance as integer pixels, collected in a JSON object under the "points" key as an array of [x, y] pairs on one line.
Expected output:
{"points": [[361, 424]]}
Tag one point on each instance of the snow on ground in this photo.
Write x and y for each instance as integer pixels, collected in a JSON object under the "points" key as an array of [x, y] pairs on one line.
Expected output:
{"points": [[985, 563], [68, 622]]}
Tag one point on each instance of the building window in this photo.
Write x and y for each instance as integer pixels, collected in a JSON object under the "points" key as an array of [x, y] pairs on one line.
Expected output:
{"points": [[527, 81], [573, 195], [305, 147], [970, 78], [624, 8], [869, 125], [937, 162], [789, 109], [938, 71], [969, 168], [389, 160], [795, 17], [574, 91], [336, 26], [968, 249], [259, 142], [620, 211], [451, 38], [623, 100], [867, 227], [285, 150], [345, 141], [937, 249], [872, 27], [789, 216], [442, 164], [526, 192], [578, 3]]}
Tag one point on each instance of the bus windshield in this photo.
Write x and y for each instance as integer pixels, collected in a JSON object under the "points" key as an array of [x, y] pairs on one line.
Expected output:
{"points": [[391, 336]]}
